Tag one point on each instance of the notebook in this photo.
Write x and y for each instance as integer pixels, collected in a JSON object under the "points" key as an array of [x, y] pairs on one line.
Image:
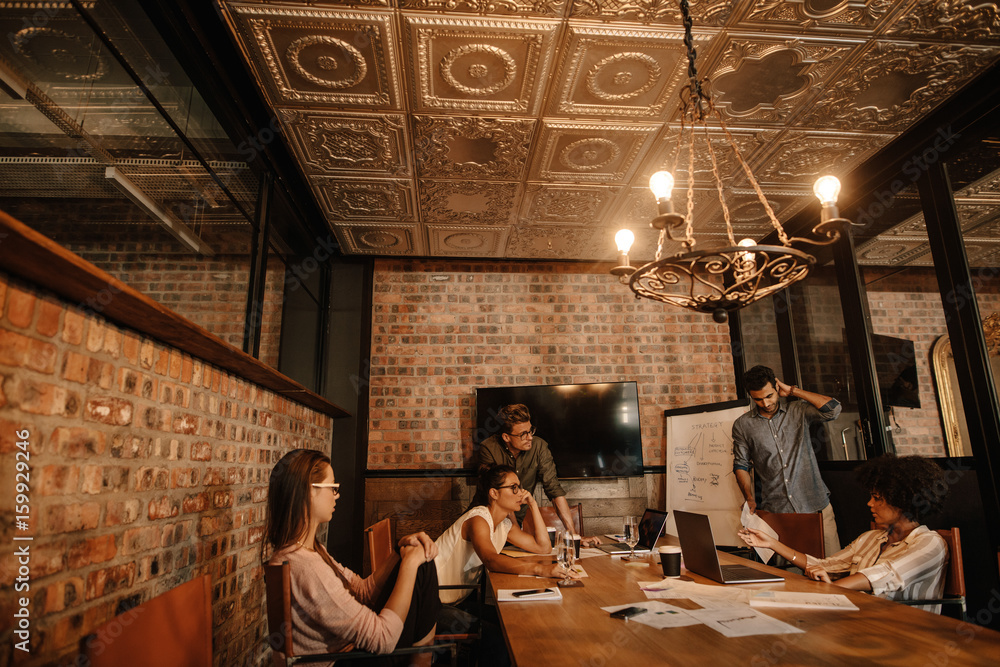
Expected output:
{"points": [[650, 527], [698, 548]]}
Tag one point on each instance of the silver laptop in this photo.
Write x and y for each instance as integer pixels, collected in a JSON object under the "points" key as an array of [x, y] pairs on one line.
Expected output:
{"points": [[698, 548], [650, 527]]}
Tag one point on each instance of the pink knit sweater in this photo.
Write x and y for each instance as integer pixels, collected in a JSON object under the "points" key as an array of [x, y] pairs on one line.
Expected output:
{"points": [[329, 616]]}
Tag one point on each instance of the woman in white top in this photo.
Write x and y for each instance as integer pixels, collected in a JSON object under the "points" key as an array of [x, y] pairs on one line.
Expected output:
{"points": [[901, 559], [478, 536]]}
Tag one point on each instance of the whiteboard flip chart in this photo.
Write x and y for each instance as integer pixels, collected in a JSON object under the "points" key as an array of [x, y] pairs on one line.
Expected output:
{"points": [[700, 468]]}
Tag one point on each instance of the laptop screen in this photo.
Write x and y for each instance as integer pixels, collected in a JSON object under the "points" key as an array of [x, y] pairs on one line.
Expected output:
{"points": [[650, 527]]}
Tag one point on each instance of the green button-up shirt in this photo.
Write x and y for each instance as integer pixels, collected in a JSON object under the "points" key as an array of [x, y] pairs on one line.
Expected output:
{"points": [[531, 466]]}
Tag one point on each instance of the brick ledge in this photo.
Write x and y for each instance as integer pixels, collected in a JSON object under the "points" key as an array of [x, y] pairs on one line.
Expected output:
{"points": [[37, 258]]}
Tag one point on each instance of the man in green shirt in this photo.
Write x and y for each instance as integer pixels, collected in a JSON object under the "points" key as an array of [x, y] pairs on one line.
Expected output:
{"points": [[517, 446]]}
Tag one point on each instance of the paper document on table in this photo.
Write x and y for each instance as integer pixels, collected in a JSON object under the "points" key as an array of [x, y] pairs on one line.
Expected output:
{"points": [[514, 552], [507, 595], [753, 521], [743, 621], [801, 600], [676, 588], [658, 615]]}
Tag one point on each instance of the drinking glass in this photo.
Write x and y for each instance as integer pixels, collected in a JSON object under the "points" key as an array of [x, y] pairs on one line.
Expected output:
{"points": [[566, 555], [631, 534]]}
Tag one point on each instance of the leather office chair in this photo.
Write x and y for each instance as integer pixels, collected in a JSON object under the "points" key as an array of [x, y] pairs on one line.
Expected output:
{"points": [[802, 532], [551, 518], [174, 628], [277, 582], [379, 538], [954, 578]]}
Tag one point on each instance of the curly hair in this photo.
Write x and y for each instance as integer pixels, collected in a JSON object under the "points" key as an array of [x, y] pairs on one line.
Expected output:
{"points": [[758, 377], [491, 477], [914, 484]]}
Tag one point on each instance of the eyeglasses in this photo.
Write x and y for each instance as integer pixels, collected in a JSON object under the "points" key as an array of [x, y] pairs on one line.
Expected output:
{"points": [[515, 488], [323, 485], [523, 436]]}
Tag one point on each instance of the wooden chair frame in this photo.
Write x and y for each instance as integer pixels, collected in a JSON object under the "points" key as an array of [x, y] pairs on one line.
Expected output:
{"points": [[802, 532], [379, 540]]}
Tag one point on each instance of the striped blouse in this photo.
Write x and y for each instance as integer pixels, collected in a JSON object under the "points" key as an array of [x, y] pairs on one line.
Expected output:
{"points": [[911, 569]]}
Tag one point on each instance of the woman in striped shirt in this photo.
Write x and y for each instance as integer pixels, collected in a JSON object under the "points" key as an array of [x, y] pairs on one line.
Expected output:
{"points": [[901, 559]]}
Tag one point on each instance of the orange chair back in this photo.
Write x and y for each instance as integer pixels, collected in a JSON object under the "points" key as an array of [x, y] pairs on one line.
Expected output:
{"points": [[954, 580], [802, 532], [172, 629], [379, 539]]}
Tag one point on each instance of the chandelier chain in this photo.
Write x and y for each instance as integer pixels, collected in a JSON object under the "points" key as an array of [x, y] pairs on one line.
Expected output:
{"points": [[718, 186]]}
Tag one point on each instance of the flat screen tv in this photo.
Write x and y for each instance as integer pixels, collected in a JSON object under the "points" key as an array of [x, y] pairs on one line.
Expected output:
{"points": [[896, 366], [592, 429]]}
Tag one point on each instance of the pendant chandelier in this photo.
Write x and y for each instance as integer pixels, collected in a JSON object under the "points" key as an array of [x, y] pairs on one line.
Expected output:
{"points": [[717, 281]]}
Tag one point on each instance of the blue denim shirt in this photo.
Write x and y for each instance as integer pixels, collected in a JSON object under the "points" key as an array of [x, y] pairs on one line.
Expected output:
{"points": [[780, 452]]}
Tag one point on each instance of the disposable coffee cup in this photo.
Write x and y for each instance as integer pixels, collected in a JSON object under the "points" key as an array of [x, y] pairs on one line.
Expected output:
{"points": [[670, 561], [552, 536], [576, 545]]}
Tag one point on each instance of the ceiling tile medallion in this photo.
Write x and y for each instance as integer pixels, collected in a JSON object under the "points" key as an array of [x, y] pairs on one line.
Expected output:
{"points": [[820, 15], [590, 152], [663, 12], [891, 85], [466, 240], [340, 57], [328, 142], [610, 71], [559, 242], [359, 199], [769, 80], [551, 8], [566, 204], [488, 65], [379, 239], [799, 158], [471, 147], [468, 202]]}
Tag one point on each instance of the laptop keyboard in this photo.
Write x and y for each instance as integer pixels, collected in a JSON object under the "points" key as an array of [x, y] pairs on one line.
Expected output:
{"points": [[740, 573]]}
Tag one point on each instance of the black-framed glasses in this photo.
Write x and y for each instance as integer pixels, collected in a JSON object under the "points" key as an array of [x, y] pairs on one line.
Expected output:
{"points": [[515, 488], [524, 435]]}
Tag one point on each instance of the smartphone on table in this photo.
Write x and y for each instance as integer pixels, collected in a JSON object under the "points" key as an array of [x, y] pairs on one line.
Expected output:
{"points": [[628, 612]]}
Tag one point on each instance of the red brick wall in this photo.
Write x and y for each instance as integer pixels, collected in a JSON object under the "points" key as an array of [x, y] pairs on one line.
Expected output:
{"points": [[442, 328], [212, 293], [147, 467]]}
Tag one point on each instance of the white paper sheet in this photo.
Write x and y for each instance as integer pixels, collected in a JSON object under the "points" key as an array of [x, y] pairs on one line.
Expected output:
{"points": [[742, 621], [660, 615], [754, 521], [801, 600]]}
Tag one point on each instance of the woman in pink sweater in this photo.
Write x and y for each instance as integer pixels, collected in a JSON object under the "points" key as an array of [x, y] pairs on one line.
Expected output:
{"points": [[333, 609]]}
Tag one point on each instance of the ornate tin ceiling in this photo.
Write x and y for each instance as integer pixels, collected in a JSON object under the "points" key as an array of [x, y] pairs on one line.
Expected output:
{"points": [[529, 129]]}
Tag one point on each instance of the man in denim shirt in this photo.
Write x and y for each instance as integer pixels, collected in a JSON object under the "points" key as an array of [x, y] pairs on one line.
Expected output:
{"points": [[773, 439]]}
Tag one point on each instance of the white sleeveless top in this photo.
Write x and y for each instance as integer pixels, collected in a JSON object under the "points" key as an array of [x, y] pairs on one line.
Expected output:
{"points": [[457, 561]]}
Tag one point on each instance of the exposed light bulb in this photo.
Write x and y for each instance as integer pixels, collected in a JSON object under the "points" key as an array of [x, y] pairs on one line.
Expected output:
{"points": [[748, 256], [661, 183], [624, 239], [827, 189]]}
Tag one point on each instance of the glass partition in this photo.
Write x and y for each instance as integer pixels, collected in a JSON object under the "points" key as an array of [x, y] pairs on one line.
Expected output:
{"points": [[153, 193]]}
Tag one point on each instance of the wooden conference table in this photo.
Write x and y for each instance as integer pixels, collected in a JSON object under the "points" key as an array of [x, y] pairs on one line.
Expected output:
{"points": [[574, 630]]}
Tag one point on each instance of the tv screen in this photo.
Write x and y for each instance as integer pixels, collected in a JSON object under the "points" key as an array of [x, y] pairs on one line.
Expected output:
{"points": [[592, 429], [896, 366]]}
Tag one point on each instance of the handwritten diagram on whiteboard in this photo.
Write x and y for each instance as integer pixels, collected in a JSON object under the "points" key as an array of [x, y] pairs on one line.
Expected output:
{"points": [[700, 468]]}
